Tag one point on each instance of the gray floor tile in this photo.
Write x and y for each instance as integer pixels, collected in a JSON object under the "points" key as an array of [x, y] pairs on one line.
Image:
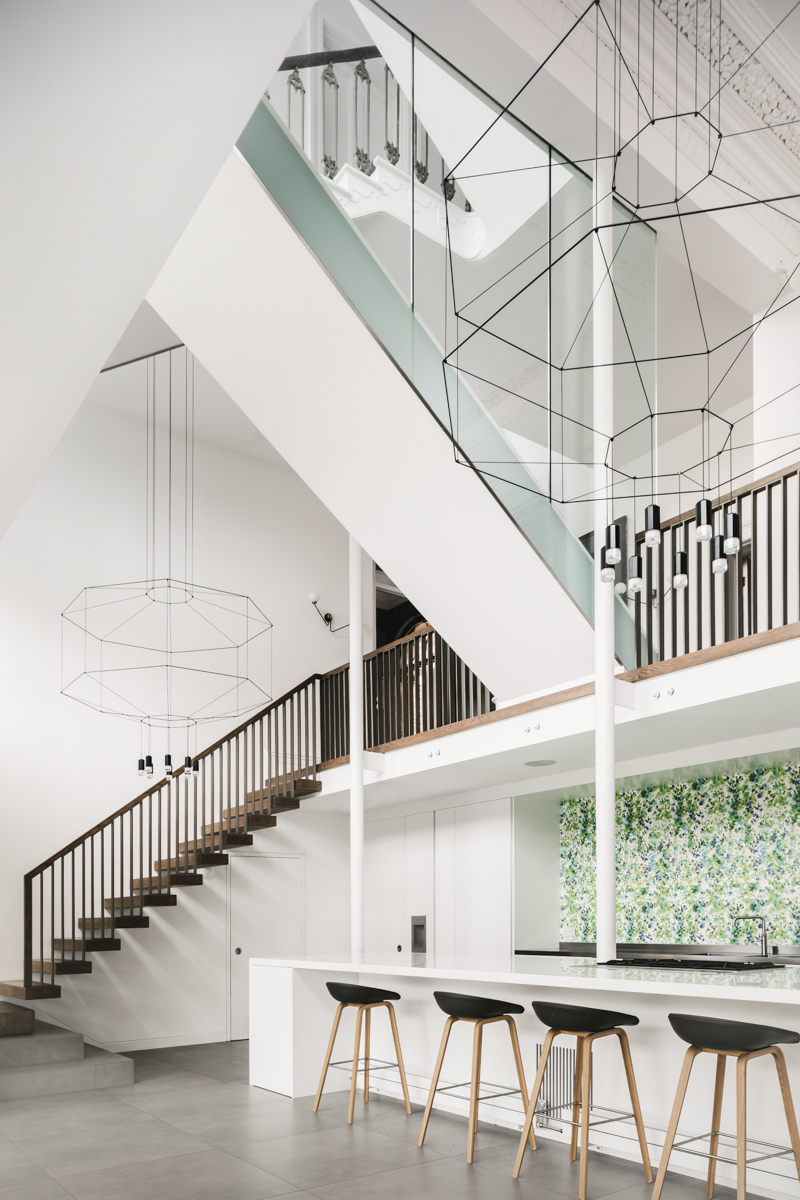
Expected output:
{"points": [[446, 1133], [183, 1101], [227, 1127], [678, 1187], [335, 1104], [444, 1178], [42, 1115], [213, 1175], [46, 1189], [226, 1061], [154, 1074], [16, 1168], [331, 1156], [550, 1167], [80, 1150]]}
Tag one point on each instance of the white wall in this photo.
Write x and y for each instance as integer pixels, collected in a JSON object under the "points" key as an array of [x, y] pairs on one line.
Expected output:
{"points": [[450, 864], [259, 530], [776, 389], [537, 873], [117, 119]]}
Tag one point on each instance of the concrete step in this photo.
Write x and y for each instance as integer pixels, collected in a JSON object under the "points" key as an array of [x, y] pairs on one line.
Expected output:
{"points": [[47, 1044], [96, 1069]]}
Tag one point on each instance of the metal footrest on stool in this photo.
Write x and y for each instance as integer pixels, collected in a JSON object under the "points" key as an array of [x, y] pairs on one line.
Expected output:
{"points": [[371, 1064], [775, 1150], [618, 1114], [452, 1087]]}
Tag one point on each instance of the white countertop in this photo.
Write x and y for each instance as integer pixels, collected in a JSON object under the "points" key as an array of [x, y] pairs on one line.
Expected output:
{"points": [[772, 986]]}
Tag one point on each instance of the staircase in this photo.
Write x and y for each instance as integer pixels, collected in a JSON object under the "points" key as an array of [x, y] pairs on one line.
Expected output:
{"points": [[40, 1059], [78, 900]]}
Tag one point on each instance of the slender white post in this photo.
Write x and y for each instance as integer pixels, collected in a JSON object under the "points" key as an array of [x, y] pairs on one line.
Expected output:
{"points": [[604, 738], [356, 753]]}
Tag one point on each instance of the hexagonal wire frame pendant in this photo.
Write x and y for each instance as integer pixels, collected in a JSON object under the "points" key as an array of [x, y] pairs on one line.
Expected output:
{"points": [[162, 652]]}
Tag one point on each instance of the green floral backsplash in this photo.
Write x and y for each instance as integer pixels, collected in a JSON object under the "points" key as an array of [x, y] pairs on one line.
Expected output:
{"points": [[691, 855]]}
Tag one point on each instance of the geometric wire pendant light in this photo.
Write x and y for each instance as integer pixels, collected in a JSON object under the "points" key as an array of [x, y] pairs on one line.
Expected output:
{"points": [[168, 653], [163, 652]]}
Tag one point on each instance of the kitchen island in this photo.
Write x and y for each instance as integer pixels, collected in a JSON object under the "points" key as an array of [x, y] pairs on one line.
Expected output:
{"points": [[291, 1014]]}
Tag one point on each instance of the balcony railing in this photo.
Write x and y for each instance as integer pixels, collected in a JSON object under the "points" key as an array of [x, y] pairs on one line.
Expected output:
{"points": [[411, 686], [759, 590]]}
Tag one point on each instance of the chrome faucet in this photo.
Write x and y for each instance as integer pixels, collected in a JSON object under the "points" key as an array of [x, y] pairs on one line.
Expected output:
{"points": [[763, 920]]}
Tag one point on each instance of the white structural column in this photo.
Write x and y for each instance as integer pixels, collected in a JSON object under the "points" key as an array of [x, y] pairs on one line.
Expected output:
{"points": [[356, 752], [604, 747]]}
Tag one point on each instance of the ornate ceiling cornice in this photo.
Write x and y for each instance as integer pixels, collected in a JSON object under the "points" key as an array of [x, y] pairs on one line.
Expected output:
{"points": [[738, 67]]}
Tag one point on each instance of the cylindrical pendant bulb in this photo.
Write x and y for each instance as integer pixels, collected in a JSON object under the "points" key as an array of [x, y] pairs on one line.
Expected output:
{"points": [[613, 545], [680, 570], [652, 525], [703, 516]]}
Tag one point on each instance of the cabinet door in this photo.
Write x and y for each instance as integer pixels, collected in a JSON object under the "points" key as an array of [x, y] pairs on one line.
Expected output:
{"points": [[384, 880], [483, 857], [419, 875], [267, 921]]}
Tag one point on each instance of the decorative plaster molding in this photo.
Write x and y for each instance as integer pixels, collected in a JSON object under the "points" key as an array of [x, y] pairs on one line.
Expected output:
{"points": [[728, 54]]}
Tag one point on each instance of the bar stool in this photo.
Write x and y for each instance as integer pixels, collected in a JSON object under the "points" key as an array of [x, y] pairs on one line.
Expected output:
{"points": [[353, 995], [479, 1011], [588, 1025], [744, 1042]]}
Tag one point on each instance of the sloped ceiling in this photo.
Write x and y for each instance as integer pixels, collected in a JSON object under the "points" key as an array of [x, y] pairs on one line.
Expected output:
{"points": [[116, 119]]}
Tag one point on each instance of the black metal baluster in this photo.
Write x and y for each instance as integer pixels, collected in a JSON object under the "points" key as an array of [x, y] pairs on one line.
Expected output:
{"points": [[769, 556], [754, 560], [785, 548]]}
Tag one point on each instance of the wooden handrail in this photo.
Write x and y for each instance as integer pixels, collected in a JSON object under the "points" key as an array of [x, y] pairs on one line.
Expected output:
{"points": [[133, 859], [421, 630], [157, 787]]}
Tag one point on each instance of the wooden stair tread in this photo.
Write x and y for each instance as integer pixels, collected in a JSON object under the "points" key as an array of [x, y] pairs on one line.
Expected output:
{"points": [[207, 858], [126, 922], [168, 879], [282, 803], [143, 900], [68, 966], [90, 944], [36, 991], [237, 824], [235, 838]]}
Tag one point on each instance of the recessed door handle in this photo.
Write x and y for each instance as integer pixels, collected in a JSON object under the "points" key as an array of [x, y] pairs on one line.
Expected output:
{"points": [[238, 950]]}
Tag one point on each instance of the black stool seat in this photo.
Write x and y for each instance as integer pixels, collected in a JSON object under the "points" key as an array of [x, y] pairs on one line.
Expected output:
{"points": [[354, 993], [574, 1018], [715, 1033], [474, 1008]]}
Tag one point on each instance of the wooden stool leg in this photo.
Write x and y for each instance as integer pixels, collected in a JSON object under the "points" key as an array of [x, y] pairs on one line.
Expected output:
{"points": [[716, 1117], [634, 1095], [448, 1025], [534, 1100], [354, 1081], [474, 1091], [523, 1087], [328, 1054], [586, 1091], [367, 1020], [741, 1127], [576, 1096], [788, 1106], [686, 1070], [399, 1054]]}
